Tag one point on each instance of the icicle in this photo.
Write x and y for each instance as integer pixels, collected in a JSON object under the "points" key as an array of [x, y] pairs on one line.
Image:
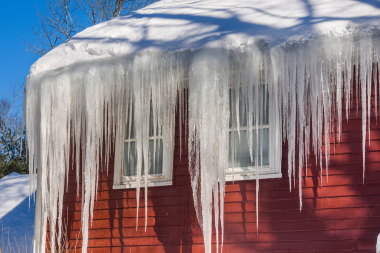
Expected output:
{"points": [[83, 112], [208, 106], [363, 84]]}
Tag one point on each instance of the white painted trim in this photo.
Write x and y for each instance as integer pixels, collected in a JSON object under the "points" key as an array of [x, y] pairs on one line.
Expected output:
{"points": [[251, 176], [132, 185]]}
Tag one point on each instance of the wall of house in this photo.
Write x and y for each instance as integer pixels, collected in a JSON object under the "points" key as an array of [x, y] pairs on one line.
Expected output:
{"points": [[343, 215]]}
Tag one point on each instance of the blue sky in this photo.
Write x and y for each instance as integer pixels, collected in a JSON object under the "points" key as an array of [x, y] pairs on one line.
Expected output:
{"points": [[16, 19]]}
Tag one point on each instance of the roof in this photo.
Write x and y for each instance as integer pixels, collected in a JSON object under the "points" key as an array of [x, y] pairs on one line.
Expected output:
{"points": [[193, 24]]}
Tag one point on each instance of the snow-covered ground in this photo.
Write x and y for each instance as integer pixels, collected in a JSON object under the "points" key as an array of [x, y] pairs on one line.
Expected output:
{"points": [[16, 215]]}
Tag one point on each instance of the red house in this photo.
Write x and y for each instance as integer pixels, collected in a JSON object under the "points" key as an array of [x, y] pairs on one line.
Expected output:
{"points": [[249, 127]]}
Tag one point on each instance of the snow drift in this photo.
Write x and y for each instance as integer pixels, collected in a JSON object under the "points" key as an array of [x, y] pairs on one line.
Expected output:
{"points": [[16, 211]]}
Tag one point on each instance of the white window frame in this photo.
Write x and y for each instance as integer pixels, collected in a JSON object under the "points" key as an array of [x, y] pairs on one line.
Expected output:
{"points": [[154, 179], [273, 170], [129, 182]]}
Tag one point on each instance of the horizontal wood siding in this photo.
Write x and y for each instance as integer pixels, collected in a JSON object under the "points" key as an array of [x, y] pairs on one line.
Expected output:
{"points": [[343, 215]]}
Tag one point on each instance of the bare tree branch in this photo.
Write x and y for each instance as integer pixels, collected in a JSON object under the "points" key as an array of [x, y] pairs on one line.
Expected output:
{"points": [[61, 22], [10, 121]]}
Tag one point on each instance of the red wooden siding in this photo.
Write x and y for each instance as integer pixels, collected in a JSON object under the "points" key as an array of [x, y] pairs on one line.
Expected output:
{"points": [[343, 215]]}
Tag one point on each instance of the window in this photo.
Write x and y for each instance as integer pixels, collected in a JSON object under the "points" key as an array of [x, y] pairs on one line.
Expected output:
{"points": [[264, 136], [160, 157]]}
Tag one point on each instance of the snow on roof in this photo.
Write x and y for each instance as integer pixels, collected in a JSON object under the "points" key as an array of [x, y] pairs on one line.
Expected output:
{"points": [[16, 215], [193, 24]]}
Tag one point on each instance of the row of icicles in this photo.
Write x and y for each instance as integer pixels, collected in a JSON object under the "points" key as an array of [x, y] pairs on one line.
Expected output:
{"points": [[81, 111]]}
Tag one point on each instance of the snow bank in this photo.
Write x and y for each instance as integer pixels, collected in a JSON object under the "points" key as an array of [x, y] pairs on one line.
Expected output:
{"points": [[187, 24], [16, 211]]}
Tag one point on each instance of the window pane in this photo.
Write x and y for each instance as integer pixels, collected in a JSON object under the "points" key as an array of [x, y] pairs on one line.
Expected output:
{"points": [[130, 159], [241, 152], [156, 168], [243, 110], [131, 163], [130, 134], [265, 107], [151, 125]]}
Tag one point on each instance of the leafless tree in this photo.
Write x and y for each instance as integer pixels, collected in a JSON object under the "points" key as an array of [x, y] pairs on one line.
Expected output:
{"points": [[10, 118], [56, 26], [12, 156], [61, 22], [101, 10]]}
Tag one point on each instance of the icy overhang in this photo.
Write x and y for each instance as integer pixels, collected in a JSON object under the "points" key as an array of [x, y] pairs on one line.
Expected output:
{"points": [[190, 24]]}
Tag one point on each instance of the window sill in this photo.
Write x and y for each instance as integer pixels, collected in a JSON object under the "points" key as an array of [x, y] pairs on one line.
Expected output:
{"points": [[132, 185], [249, 174]]}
